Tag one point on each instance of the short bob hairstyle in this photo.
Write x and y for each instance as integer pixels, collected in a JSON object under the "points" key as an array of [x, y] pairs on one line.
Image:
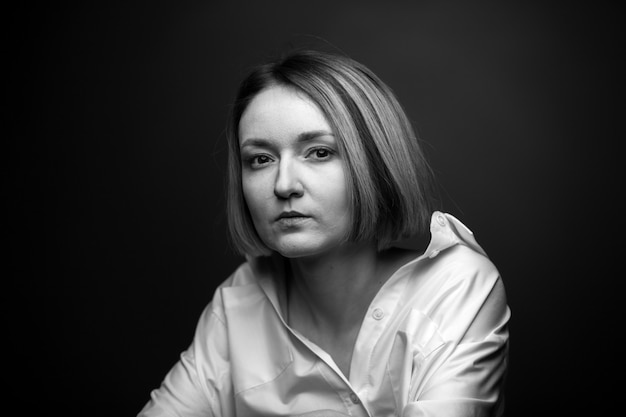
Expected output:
{"points": [[388, 178]]}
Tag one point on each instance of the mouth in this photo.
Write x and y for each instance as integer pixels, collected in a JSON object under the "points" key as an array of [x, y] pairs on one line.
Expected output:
{"points": [[291, 215], [291, 219]]}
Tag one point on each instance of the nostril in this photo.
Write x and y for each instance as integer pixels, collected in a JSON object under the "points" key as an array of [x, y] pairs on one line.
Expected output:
{"points": [[294, 190]]}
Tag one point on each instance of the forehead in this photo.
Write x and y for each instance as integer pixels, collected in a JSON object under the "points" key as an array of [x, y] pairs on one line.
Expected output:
{"points": [[280, 112]]}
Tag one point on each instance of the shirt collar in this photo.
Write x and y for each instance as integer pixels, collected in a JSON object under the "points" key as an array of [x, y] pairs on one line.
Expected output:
{"points": [[447, 231]]}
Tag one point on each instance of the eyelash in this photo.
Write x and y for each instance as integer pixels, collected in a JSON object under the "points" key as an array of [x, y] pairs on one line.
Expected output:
{"points": [[329, 152]]}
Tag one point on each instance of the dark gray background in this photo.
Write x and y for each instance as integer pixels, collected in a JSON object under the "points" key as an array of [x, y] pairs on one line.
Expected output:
{"points": [[117, 229]]}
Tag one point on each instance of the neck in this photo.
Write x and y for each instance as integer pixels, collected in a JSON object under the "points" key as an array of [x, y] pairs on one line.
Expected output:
{"points": [[335, 289]]}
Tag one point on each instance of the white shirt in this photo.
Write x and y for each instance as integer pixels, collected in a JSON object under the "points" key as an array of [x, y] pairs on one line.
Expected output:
{"points": [[434, 342]]}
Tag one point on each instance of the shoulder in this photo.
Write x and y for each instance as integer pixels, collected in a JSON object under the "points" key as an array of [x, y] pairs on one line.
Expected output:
{"points": [[461, 262], [457, 274], [463, 294], [455, 283], [240, 285]]}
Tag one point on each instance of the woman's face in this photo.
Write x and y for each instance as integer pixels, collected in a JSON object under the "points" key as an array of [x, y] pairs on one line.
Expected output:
{"points": [[292, 174]]}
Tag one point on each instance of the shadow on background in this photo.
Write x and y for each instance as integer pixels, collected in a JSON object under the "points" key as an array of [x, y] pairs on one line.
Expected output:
{"points": [[118, 234]]}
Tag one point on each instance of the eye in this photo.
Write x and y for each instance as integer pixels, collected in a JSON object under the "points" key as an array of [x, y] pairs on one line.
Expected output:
{"points": [[320, 153], [259, 161]]}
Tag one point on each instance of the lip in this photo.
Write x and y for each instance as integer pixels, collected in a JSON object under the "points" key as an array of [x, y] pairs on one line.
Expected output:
{"points": [[289, 220], [292, 214]]}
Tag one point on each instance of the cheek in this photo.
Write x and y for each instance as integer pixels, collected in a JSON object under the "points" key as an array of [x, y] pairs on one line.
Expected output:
{"points": [[334, 200]]}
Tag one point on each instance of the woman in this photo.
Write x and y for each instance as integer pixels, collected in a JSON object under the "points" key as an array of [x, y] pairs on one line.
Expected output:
{"points": [[328, 315]]}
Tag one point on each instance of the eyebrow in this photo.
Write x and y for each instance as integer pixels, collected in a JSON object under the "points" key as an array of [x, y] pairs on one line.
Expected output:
{"points": [[302, 137]]}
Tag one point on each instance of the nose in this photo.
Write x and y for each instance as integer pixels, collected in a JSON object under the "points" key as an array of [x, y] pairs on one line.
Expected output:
{"points": [[287, 182]]}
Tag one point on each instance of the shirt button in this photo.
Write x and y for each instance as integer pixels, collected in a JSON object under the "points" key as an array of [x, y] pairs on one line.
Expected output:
{"points": [[378, 313], [354, 398], [441, 220]]}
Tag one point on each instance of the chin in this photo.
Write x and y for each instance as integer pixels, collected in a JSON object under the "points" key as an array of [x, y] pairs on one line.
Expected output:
{"points": [[304, 246], [297, 251], [298, 248]]}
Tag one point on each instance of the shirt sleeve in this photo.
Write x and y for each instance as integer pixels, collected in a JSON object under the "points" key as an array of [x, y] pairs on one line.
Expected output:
{"points": [[197, 383], [465, 375]]}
